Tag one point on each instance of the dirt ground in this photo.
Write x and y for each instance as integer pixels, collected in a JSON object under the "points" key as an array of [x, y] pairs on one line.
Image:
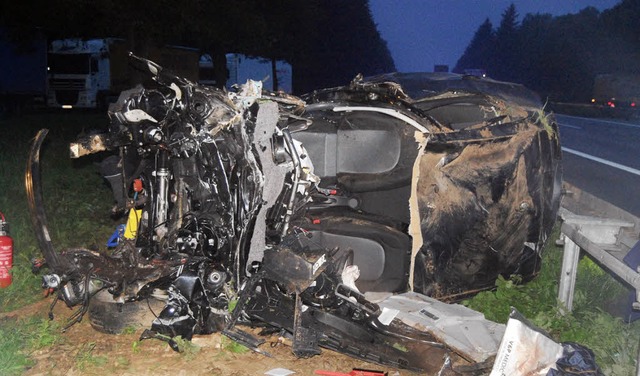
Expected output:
{"points": [[85, 351]]}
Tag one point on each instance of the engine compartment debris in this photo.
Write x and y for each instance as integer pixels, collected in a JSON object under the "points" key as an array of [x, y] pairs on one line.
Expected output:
{"points": [[344, 218]]}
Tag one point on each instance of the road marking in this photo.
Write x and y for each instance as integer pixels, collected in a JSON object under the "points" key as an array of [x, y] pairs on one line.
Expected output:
{"points": [[603, 161], [570, 126], [600, 121]]}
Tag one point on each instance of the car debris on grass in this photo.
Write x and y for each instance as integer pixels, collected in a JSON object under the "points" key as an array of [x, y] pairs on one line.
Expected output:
{"points": [[349, 218]]}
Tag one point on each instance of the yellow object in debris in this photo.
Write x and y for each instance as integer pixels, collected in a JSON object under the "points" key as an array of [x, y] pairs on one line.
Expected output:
{"points": [[131, 230]]}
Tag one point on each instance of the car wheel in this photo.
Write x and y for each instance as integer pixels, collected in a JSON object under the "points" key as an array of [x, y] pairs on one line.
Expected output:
{"points": [[111, 317]]}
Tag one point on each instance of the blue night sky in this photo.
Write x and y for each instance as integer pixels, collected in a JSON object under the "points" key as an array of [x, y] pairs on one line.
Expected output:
{"points": [[421, 33]]}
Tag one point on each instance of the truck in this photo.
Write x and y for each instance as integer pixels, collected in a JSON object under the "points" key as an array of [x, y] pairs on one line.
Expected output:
{"points": [[92, 73], [23, 72], [242, 67], [616, 90]]}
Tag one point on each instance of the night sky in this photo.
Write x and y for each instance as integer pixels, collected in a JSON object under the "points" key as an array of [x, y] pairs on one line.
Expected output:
{"points": [[421, 33]]}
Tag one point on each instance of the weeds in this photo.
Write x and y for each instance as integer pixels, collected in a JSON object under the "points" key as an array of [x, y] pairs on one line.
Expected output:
{"points": [[19, 338], [25, 288], [543, 118], [122, 361], [614, 342], [13, 355], [233, 346], [42, 332], [129, 330], [187, 348], [135, 347], [85, 357], [73, 192], [76, 199]]}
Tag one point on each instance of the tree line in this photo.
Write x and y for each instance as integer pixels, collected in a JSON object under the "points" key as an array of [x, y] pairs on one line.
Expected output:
{"points": [[558, 57], [327, 42]]}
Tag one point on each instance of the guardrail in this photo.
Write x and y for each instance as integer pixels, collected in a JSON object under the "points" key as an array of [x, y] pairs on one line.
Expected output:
{"points": [[599, 237], [608, 237]]}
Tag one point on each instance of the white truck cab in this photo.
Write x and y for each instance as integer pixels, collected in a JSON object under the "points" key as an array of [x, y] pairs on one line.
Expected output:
{"points": [[79, 72]]}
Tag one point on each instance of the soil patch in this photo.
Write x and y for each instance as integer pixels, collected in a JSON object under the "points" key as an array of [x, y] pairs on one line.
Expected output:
{"points": [[85, 351]]}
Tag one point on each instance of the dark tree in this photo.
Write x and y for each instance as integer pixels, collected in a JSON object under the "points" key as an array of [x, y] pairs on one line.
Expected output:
{"points": [[327, 41], [536, 34], [346, 43], [508, 23], [621, 47], [560, 56], [479, 53], [507, 48]]}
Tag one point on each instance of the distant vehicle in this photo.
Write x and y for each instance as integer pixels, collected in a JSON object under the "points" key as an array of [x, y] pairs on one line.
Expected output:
{"points": [[242, 68], [616, 90], [23, 73], [206, 74], [475, 72], [92, 73], [441, 68]]}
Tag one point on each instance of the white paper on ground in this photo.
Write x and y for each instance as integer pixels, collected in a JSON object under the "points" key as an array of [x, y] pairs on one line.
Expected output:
{"points": [[525, 350], [279, 372]]}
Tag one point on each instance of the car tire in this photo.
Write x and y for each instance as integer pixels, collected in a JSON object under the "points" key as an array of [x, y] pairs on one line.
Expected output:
{"points": [[111, 317]]}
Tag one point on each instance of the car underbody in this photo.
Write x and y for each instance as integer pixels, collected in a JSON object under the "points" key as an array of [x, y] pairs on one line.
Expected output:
{"points": [[348, 218]]}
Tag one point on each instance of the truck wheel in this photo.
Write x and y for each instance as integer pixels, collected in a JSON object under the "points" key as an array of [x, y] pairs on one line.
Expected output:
{"points": [[108, 316], [102, 102]]}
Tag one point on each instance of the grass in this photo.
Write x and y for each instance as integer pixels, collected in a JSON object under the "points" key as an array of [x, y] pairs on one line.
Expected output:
{"points": [[13, 356], [187, 348], [19, 338], [85, 357], [77, 200], [233, 346], [77, 204], [614, 342], [25, 287]]}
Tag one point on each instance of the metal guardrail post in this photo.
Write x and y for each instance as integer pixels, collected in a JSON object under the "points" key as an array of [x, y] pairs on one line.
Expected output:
{"points": [[568, 274], [587, 233], [594, 236], [612, 264], [638, 362]]}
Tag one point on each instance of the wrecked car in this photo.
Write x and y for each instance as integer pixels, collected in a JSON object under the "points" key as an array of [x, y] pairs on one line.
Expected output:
{"points": [[346, 218]]}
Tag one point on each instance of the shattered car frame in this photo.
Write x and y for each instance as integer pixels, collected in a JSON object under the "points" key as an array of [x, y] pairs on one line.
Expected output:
{"points": [[343, 217]]}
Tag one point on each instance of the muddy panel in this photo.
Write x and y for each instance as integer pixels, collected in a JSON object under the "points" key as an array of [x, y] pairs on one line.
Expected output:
{"points": [[485, 209]]}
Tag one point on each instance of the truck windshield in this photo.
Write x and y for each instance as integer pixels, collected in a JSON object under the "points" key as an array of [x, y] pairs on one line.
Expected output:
{"points": [[69, 63]]}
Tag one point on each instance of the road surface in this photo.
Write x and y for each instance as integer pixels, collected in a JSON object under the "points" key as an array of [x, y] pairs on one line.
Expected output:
{"points": [[602, 157]]}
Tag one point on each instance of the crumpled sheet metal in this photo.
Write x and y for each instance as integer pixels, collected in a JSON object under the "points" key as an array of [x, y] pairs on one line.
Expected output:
{"points": [[464, 330], [484, 206]]}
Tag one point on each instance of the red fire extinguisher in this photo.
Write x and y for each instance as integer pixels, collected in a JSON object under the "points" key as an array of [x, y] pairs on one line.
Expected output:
{"points": [[6, 253]]}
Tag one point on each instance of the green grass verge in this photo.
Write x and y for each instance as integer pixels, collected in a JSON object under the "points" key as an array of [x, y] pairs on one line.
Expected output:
{"points": [[77, 203], [614, 342], [77, 200], [86, 358], [19, 338]]}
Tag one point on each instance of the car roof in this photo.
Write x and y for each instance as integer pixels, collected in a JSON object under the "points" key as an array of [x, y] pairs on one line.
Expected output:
{"points": [[424, 85]]}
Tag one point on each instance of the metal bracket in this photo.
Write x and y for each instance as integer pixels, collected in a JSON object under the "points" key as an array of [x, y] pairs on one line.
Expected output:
{"points": [[599, 238]]}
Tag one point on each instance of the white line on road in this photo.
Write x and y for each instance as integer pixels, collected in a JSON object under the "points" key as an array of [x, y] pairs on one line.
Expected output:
{"points": [[604, 161], [570, 126], [599, 121]]}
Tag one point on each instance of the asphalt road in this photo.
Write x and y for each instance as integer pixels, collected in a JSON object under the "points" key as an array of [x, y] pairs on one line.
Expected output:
{"points": [[602, 157]]}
